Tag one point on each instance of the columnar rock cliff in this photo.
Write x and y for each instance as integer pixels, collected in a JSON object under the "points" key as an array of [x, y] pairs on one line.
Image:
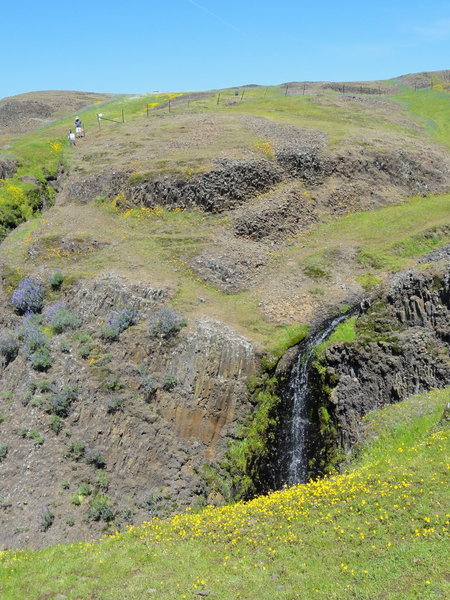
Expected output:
{"points": [[155, 410]]}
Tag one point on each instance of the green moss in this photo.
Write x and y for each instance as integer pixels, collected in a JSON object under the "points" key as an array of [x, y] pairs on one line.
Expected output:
{"points": [[245, 455]]}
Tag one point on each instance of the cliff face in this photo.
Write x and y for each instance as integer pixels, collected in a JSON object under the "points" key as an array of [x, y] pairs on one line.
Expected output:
{"points": [[155, 410], [401, 348]]}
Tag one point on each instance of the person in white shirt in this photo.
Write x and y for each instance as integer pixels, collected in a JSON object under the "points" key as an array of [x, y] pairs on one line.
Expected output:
{"points": [[71, 138]]}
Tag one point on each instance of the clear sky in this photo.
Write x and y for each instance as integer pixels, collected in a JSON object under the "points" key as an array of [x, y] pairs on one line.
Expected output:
{"points": [[133, 46]]}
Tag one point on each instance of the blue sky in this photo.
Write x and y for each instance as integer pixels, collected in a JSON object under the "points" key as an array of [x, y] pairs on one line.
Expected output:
{"points": [[139, 46]]}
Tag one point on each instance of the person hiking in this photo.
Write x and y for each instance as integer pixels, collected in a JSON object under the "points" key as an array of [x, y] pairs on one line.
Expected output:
{"points": [[71, 138], [79, 127]]}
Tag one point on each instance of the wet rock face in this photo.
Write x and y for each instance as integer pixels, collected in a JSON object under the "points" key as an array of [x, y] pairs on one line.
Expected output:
{"points": [[402, 349], [157, 409]]}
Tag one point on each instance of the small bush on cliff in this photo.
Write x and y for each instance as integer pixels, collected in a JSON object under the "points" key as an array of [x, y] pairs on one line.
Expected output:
{"points": [[56, 423], [95, 457], [100, 510], [76, 450], [46, 519], [165, 322], [56, 280], [35, 343], [3, 451], [9, 346], [115, 405], [170, 381], [61, 401], [118, 322], [59, 318], [29, 296], [148, 387]]}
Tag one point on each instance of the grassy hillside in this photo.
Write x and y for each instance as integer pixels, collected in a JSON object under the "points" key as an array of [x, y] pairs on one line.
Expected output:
{"points": [[375, 531], [333, 259]]}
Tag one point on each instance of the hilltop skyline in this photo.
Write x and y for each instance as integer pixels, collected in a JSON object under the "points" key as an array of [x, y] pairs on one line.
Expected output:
{"points": [[190, 45]]}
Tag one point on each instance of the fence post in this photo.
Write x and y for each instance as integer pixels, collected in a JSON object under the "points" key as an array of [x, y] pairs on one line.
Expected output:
{"points": [[218, 98], [304, 86], [242, 96], [123, 118], [147, 110], [286, 91], [265, 92]]}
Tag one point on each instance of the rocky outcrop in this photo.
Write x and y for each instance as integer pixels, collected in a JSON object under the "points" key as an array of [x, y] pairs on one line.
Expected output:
{"points": [[149, 412], [8, 167], [231, 184], [228, 185], [401, 348]]}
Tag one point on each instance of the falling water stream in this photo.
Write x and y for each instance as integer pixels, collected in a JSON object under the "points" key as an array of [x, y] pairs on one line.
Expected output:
{"points": [[297, 434]]}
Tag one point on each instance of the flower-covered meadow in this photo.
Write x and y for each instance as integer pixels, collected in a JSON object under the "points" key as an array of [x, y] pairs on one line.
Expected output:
{"points": [[375, 531]]}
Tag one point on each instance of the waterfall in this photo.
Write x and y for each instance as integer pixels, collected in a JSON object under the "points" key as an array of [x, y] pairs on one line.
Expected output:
{"points": [[296, 439]]}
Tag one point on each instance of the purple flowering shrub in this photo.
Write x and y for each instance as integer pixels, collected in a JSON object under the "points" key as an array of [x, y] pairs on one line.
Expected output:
{"points": [[9, 346], [29, 296], [165, 322], [59, 317], [35, 343], [118, 322]]}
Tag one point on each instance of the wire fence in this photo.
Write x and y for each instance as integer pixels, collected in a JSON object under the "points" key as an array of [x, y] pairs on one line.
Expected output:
{"points": [[179, 103]]}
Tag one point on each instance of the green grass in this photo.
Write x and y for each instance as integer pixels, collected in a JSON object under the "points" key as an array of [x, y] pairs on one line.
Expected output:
{"points": [[385, 239], [344, 332], [374, 532], [42, 152], [433, 109]]}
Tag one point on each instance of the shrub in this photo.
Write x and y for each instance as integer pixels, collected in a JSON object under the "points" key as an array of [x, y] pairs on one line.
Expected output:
{"points": [[76, 450], [84, 489], [41, 359], [47, 518], [148, 387], [59, 317], [29, 296], [118, 322], [150, 503], [36, 436], [115, 405], [56, 423], [170, 381], [86, 345], [112, 383], [99, 509], [56, 280], [44, 385], [9, 346], [95, 457], [3, 451], [35, 343], [64, 346], [32, 434], [60, 401], [165, 322], [102, 481]]}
